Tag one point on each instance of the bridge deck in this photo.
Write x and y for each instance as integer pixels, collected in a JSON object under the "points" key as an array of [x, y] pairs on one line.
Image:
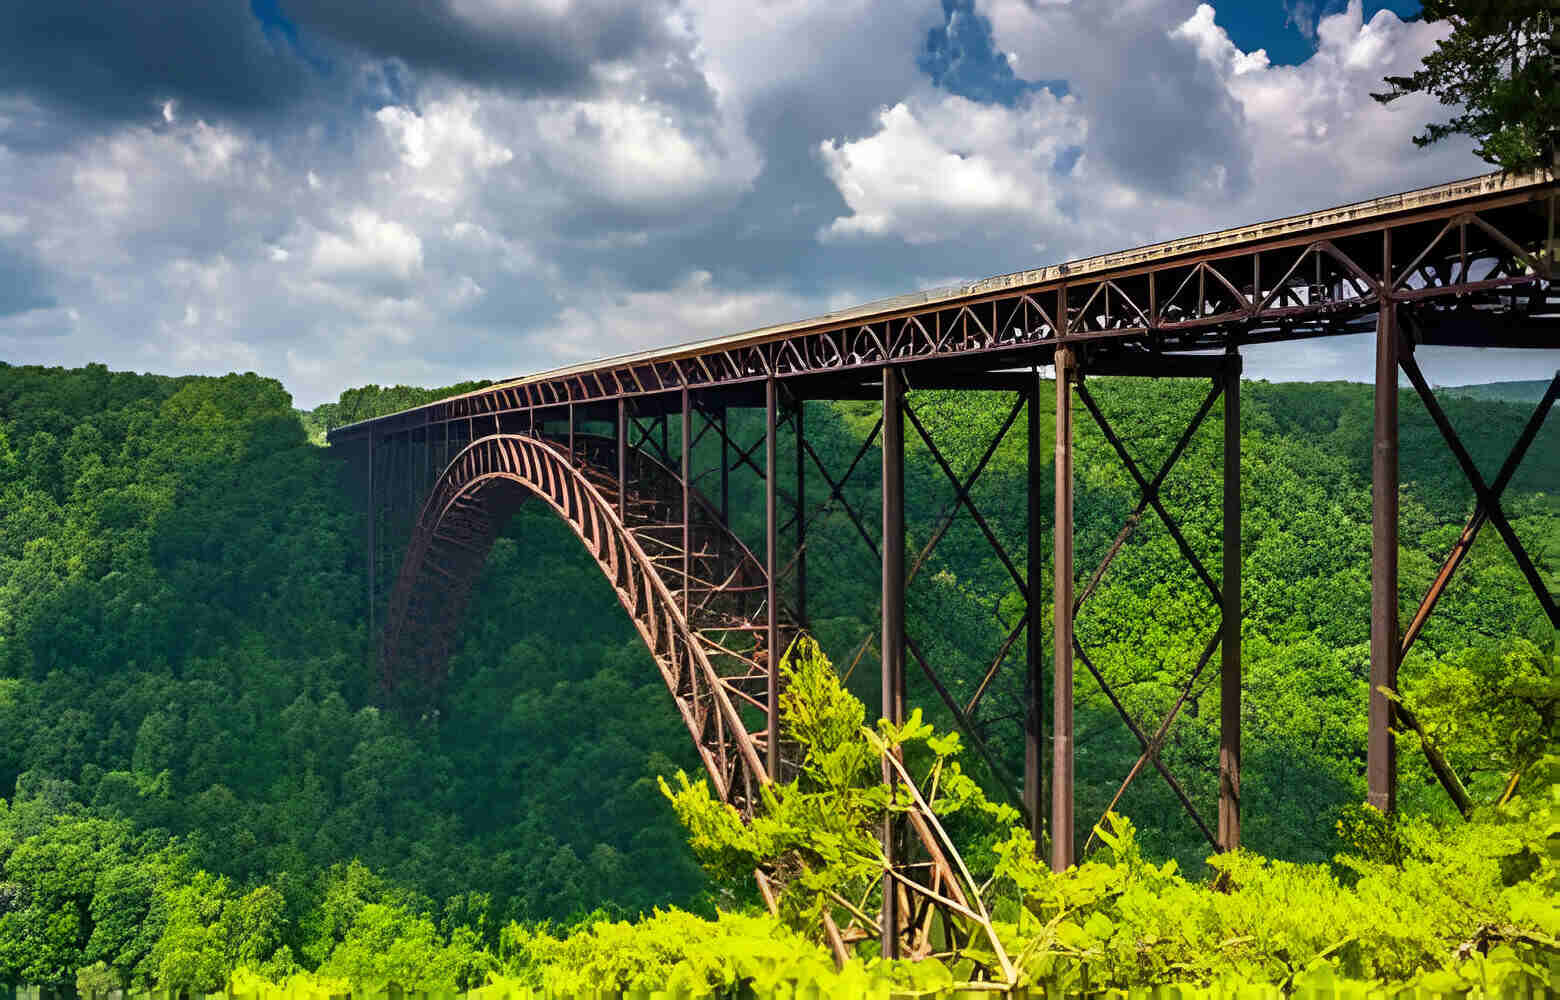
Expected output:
{"points": [[1466, 263], [1475, 241]]}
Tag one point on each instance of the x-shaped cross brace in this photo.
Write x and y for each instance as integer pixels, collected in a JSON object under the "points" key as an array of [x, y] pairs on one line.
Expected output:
{"points": [[963, 716], [645, 429], [1149, 497], [1487, 505]]}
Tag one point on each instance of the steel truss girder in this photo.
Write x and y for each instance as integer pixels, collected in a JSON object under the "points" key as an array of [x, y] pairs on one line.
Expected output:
{"points": [[1294, 285]]}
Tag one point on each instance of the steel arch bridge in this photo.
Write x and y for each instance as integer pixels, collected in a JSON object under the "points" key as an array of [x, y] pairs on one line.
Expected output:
{"points": [[1469, 263]]}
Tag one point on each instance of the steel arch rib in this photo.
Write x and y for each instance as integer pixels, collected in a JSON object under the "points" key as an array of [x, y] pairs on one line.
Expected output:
{"points": [[465, 503], [544, 470]]}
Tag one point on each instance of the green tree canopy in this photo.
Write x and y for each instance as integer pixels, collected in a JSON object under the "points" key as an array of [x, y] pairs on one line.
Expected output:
{"points": [[1501, 66]]}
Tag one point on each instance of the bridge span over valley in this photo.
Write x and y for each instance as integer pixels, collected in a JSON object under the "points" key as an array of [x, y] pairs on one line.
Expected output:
{"points": [[613, 447]]}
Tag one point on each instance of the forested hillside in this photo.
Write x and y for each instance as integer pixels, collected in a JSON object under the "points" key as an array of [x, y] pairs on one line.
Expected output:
{"points": [[186, 685], [1526, 391]]}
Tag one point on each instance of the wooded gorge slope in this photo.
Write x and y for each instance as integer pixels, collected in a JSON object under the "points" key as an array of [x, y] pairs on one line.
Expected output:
{"points": [[183, 650]]}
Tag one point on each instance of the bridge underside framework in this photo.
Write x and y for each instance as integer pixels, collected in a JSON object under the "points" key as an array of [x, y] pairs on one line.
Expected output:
{"points": [[638, 455]]}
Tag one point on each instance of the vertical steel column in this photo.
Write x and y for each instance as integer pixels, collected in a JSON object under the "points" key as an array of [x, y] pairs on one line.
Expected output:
{"points": [[373, 516], [772, 587], [1229, 641], [622, 459], [571, 428], [1062, 624], [687, 560], [1381, 754], [801, 514], [725, 467], [893, 637], [1034, 755]]}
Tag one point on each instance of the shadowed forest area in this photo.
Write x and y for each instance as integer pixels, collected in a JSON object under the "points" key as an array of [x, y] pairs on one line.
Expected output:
{"points": [[192, 753]]}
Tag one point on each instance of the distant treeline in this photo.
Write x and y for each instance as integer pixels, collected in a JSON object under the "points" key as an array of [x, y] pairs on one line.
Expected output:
{"points": [[370, 401], [1529, 391]]}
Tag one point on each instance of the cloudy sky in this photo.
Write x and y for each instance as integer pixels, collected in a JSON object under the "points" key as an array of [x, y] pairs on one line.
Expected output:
{"points": [[419, 191]]}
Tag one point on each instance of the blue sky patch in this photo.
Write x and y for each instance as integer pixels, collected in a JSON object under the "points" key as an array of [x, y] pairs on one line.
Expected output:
{"points": [[962, 59], [1287, 28]]}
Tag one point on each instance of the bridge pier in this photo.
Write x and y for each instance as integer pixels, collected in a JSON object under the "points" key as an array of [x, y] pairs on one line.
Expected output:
{"points": [[772, 571], [622, 459], [892, 641], [1230, 615], [685, 446], [1062, 855], [797, 416], [1034, 652], [1380, 749], [372, 518]]}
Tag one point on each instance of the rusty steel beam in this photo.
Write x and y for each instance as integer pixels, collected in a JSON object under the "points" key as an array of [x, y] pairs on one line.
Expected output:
{"points": [[622, 460], [837, 488], [1230, 680], [962, 718], [1227, 381], [996, 662], [725, 468], [800, 426], [771, 566], [1381, 752], [961, 495], [373, 517], [965, 725], [1034, 654], [962, 715], [1062, 624], [892, 643], [686, 448]]}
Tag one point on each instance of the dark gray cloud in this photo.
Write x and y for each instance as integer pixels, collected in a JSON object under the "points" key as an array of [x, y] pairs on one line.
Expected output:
{"points": [[524, 47], [1179, 130], [117, 59], [92, 63], [1160, 116]]}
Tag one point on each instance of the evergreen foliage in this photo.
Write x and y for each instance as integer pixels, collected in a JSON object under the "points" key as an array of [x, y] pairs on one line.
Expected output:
{"points": [[1500, 67]]}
